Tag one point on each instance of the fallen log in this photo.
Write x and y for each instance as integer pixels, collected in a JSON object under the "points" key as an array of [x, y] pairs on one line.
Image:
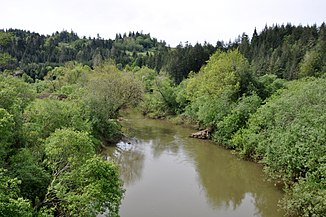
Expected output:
{"points": [[203, 134]]}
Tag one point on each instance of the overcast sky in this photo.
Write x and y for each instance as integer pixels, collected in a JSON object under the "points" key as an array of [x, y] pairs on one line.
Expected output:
{"points": [[174, 21]]}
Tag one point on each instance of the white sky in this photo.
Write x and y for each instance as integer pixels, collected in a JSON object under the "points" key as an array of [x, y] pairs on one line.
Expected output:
{"points": [[174, 21]]}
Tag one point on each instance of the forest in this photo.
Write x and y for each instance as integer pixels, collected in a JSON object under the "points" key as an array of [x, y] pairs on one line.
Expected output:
{"points": [[263, 97]]}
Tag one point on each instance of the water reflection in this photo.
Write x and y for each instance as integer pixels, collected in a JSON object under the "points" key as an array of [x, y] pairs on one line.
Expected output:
{"points": [[130, 158], [180, 176], [169, 145], [228, 181]]}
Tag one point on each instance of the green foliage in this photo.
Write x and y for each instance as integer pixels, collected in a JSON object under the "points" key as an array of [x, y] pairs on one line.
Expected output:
{"points": [[108, 91], [279, 50], [48, 143], [34, 179], [309, 64], [26, 78], [45, 212], [161, 101], [36, 54], [43, 117], [82, 185], [64, 81], [6, 136], [236, 119], [5, 39], [182, 60], [313, 63], [147, 76], [211, 110], [71, 73], [15, 94], [306, 198], [213, 92], [165, 87], [71, 91], [113, 89], [221, 72], [41, 86], [153, 106], [266, 85], [288, 134], [67, 149], [292, 116], [286, 51], [99, 189], [181, 96], [7, 61], [11, 204]]}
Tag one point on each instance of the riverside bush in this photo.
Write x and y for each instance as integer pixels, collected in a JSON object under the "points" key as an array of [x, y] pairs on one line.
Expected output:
{"points": [[289, 134]]}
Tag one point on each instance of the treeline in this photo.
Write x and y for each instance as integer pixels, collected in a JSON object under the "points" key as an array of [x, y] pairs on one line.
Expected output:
{"points": [[52, 132], [37, 54], [287, 51]]}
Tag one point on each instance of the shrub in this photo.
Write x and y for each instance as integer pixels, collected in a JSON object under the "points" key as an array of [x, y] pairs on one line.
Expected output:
{"points": [[289, 134]]}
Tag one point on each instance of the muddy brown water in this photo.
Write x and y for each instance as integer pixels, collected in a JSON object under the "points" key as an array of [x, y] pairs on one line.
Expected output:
{"points": [[168, 174]]}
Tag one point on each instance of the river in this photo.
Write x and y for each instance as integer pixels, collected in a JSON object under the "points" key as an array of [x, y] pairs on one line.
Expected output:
{"points": [[168, 174]]}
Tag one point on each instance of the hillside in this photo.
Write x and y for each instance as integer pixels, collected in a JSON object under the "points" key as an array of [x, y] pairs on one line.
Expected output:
{"points": [[287, 51]]}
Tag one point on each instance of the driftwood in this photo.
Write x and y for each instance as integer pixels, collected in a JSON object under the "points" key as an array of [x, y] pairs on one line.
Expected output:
{"points": [[203, 134]]}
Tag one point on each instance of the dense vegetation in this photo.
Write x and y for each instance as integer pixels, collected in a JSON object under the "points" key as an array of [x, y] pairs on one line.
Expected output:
{"points": [[262, 97], [51, 132], [37, 54]]}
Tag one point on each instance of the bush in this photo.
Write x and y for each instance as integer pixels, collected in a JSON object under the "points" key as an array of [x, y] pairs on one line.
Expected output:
{"points": [[6, 136], [162, 100], [289, 134], [153, 106], [82, 184], [34, 178], [211, 110], [107, 92], [236, 119], [43, 117], [11, 204], [306, 198]]}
